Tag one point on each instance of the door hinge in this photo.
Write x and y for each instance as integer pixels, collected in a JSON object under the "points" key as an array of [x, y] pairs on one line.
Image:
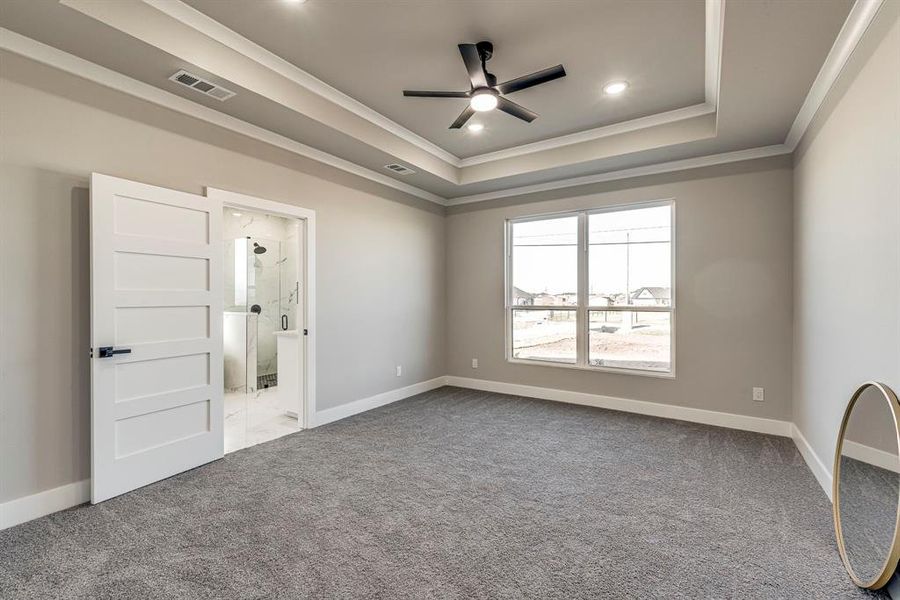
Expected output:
{"points": [[306, 332]]}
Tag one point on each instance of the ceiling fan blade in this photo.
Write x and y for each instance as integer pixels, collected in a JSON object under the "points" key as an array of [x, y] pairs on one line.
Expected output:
{"points": [[463, 117], [511, 108], [520, 83], [473, 65], [426, 94]]}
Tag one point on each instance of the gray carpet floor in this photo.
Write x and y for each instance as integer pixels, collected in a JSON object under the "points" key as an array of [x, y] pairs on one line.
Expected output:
{"points": [[456, 494]]}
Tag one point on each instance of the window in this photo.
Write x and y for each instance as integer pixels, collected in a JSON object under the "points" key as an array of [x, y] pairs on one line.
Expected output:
{"points": [[593, 289]]}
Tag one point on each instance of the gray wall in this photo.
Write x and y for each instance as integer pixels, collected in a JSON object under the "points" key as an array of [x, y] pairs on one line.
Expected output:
{"points": [[733, 287], [380, 284], [847, 251], [400, 284]]}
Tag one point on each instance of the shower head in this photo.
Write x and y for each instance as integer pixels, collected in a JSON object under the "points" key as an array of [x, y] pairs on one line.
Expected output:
{"points": [[257, 249]]}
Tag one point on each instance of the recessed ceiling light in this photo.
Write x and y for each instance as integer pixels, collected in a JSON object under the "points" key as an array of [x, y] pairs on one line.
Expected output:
{"points": [[236, 214], [484, 100], [476, 127], [616, 87]]}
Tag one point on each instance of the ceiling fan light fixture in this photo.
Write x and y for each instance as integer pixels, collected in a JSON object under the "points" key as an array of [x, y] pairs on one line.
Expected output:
{"points": [[483, 101], [615, 88]]}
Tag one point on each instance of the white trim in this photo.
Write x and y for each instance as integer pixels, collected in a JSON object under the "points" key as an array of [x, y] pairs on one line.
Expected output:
{"points": [[211, 28], [861, 15], [48, 55], [27, 508], [666, 167], [44, 503], [37, 505], [848, 38], [679, 114], [713, 33], [821, 472], [870, 455], [343, 411], [666, 411], [583, 308], [308, 356]]}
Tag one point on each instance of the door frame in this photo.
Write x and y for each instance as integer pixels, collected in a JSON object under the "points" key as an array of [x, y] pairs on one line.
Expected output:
{"points": [[307, 364]]}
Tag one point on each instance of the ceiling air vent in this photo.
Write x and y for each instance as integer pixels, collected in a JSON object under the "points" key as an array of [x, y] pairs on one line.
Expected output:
{"points": [[201, 85], [399, 169]]}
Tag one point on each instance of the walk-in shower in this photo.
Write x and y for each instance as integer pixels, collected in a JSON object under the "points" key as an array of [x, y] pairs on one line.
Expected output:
{"points": [[261, 329], [260, 299]]}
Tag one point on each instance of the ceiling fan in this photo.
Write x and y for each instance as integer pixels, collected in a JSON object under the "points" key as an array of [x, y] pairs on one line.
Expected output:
{"points": [[486, 94]]}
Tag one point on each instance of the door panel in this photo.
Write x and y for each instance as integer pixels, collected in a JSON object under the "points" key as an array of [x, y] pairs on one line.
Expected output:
{"points": [[136, 271], [156, 285], [145, 324]]}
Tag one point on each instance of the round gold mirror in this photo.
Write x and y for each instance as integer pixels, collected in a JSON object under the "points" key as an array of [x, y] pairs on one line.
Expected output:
{"points": [[866, 488]]}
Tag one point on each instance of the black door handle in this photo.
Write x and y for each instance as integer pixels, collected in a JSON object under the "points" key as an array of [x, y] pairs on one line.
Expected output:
{"points": [[109, 352]]}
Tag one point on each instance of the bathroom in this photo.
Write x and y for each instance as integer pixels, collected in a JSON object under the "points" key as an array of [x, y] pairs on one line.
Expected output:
{"points": [[262, 303]]}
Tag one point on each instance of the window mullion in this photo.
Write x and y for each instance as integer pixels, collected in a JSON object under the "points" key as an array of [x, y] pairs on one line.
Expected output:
{"points": [[581, 318]]}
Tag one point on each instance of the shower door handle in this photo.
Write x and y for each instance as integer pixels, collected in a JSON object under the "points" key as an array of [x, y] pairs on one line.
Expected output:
{"points": [[109, 351]]}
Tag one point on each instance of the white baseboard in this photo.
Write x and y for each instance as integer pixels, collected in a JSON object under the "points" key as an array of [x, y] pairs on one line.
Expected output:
{"points": [[819, 469], [873, 456], [37, 505], [667, 411], [47, 502], [343, 411], [44, 503]]}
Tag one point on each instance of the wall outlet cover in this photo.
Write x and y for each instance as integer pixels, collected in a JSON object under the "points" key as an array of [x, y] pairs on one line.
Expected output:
{"points": [[474, 363], [759, 394]]}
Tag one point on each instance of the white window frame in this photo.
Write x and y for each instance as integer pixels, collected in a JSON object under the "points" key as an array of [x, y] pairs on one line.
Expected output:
{"points": [[582, 308]]}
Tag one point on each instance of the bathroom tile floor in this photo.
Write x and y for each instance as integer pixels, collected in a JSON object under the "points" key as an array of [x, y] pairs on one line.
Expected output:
{"points": [[255, 417]]}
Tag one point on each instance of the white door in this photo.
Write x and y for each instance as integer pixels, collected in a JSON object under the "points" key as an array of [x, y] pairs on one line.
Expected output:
{"points": [[156, 334]]}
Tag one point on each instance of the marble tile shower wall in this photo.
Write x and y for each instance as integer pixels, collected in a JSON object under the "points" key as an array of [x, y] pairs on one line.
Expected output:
{"points": [[266, 275]]}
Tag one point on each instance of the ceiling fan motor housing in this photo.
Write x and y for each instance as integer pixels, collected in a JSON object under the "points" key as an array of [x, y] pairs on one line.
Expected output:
{"points": [[485, 50]]}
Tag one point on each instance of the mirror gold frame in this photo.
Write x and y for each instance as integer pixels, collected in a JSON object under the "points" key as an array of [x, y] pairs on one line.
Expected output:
{"points": [[890, 564]]}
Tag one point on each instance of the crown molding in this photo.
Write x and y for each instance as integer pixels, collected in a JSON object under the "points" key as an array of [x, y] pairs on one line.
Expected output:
{"points": [[715, 24], [665, 167], [69, 63], [715, 32], [854, 28], [211, 28], [679, 114], [196, 20]]}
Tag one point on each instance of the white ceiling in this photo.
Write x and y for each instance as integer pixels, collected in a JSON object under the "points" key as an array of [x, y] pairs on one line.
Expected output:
{"points": [[771, 51]]}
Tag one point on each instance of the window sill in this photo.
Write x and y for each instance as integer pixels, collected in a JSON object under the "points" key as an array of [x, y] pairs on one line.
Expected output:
{"points": [[613, 370]]}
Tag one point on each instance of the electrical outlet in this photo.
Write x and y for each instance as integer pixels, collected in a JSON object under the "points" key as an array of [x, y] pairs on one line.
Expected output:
{"points": [[399, 370], [474, 363], [759, 394]]}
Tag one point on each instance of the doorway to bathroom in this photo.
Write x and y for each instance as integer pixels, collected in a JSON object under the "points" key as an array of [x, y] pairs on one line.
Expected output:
{"points": [[264, 320], [157, 315]]}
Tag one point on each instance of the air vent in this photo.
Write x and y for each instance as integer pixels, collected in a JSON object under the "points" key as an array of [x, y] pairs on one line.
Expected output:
{"points": [[399, 169], [201, 85]]}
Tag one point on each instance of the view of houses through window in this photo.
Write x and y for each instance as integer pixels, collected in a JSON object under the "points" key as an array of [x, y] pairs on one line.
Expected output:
{"points": [[593, 288]]}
